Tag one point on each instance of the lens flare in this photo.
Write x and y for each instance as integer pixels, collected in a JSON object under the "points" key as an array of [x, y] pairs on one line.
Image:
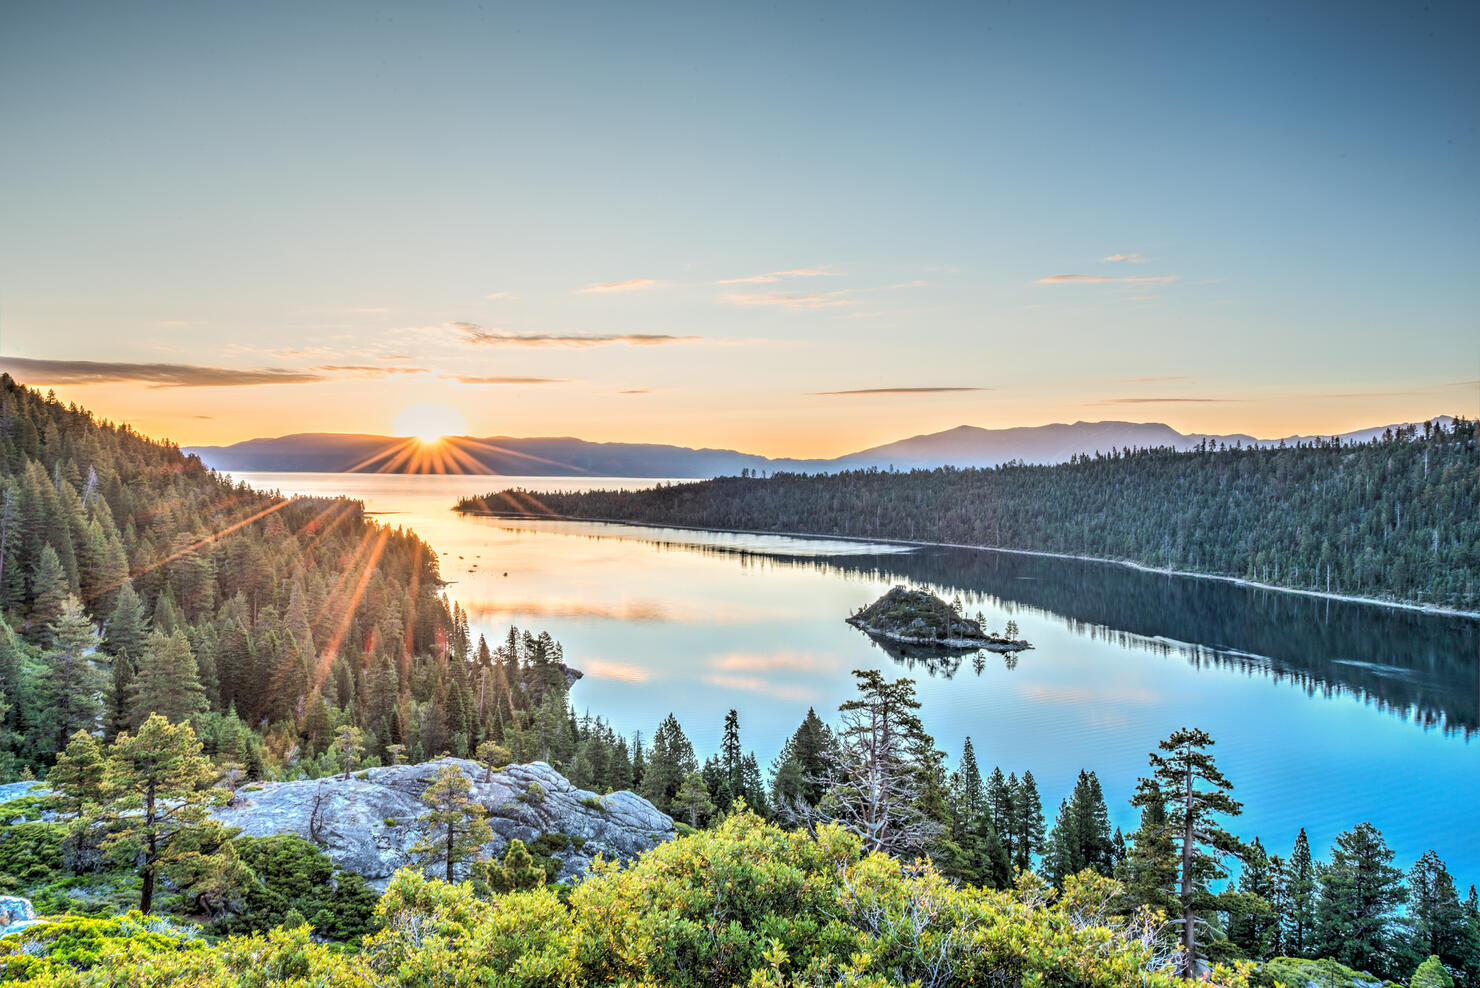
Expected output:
{"points": [[429, 421]]}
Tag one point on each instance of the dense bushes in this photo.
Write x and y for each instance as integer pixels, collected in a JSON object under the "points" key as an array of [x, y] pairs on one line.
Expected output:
{"points": [[744, 904]]}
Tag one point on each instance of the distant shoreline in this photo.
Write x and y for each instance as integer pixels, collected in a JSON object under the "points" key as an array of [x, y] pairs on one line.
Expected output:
{"points": [[1163, 571]]}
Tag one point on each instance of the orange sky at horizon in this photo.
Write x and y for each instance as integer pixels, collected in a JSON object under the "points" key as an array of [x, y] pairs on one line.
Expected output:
{"points": [[773, 425]]}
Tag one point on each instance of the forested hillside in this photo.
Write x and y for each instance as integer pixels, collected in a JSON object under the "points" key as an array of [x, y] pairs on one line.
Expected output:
{"points": [[133, 580], [1397, 518]]}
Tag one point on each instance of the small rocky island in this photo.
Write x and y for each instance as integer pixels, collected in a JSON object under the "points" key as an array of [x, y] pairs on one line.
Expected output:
{"points": [[922, 621]]}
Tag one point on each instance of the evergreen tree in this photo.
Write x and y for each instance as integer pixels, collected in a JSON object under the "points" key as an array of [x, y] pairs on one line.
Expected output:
{"points": [[72, 683], [669, 761], [168, 680], [1437, 924], [885, 768], [349, 742], [1301, 925], [1252, 926], [1027, 821], [517, 873], [692, 799], [158, 793], [799, 774], [49, 591], [1187, 783], [1360, 893], [76, 781], [1149, 871], [128, 626], [455, 827]]}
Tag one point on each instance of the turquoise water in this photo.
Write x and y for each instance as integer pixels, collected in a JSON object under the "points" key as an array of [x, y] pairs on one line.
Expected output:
{"points": [[1325, 713]]}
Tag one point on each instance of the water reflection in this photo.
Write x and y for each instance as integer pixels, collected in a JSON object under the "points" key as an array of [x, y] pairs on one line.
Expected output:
{"points": [[1418, 665]]}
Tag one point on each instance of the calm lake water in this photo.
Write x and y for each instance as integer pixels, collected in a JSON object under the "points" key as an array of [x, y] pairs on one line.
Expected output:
{"points": [[1325, 713]]}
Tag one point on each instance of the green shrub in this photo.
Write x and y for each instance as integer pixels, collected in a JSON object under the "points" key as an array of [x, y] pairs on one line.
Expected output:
{"points": [[390, 821], [594, 803]]}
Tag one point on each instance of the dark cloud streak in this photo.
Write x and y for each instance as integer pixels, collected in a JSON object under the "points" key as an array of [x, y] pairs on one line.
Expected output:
{"points": [[39, 371]]}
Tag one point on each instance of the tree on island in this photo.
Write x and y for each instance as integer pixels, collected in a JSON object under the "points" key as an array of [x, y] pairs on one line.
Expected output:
{"points": [[1188, 785], [456, 826]]}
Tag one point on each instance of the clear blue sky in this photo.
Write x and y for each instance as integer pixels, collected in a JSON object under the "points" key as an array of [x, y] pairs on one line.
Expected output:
{"points": [[698, 223]]}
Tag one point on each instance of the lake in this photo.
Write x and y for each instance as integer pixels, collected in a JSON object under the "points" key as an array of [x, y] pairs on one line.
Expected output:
{"points": [[1325, 713]]}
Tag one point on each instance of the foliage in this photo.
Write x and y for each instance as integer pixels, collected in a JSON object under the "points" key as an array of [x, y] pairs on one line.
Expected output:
{"points": [[1187, 784], [455, 826]]}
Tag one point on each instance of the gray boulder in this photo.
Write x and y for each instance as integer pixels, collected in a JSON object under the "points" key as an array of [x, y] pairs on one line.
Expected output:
{"points": [[16, 914], [367, 823]]}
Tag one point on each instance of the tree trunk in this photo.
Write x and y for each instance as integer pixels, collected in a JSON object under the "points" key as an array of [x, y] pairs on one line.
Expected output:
{"points": [[1189, 933], [449, 851], [151, 852]]}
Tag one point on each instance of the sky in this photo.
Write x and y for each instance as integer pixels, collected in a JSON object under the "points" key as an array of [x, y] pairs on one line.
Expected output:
{"points": [[794, 229]]}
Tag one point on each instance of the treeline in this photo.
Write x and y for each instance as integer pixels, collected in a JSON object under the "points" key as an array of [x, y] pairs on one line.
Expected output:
{"points": [[879, 775], [1397, 518], [133, 580]]}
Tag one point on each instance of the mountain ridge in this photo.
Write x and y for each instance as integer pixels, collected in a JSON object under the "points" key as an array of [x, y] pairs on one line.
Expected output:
{"points": [[960, 446]]}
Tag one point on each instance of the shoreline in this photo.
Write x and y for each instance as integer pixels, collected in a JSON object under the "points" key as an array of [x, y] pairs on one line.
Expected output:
{"points": [[1158, 570]]}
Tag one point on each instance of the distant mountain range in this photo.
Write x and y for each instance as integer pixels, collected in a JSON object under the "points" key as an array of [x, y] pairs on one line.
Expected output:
{"points": [[964, 446]]}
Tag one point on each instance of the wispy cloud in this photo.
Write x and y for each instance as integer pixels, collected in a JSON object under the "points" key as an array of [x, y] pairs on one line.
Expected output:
{"points": [[636, 284], [625, 672], [824, 300], [1100, 279], [770, 277], [773, 662], [500, 296], [754, 684], [1127, 258], [473, 379], [635, 391], [39, 371], [1150, 380], [482, 336], [890, 391], [1166, 401], [370, 370]]}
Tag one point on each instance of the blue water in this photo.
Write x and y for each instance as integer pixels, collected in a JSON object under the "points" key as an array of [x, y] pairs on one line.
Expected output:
{"points": [[1325, 713]]}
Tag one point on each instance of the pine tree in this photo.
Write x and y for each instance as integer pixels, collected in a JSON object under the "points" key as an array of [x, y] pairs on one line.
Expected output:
{"points": [[885, 768], [1149, 871], [670, 759], [1187, 783], [168, 680], [127, 626], [1437, 924], [349, 742], [999, 799], [799, 774], [76, 781], [158, 793], [692, 799], [72, 683], [455, 827], [517, 873], [1300, 928], [1027, 821], [1360, 893], [1252, 927], [50, 589]]}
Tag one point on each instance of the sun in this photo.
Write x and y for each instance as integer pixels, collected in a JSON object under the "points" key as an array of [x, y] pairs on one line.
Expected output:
{"points": [[429, 421]]}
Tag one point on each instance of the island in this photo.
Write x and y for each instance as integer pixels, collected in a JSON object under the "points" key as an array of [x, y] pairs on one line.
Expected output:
{"points": [[922, 621]]}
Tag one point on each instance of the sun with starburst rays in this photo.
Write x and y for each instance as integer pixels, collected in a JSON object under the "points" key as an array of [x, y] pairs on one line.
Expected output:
{"points": [[429, 422]]}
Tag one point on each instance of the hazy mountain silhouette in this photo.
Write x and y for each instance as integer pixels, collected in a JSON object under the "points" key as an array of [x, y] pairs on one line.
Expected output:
{"points": [[964, 446]]}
